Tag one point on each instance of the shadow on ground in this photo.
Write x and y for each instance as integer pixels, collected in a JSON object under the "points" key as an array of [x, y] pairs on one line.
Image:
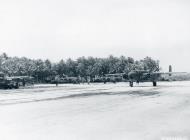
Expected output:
{"points": [[136, 93]]}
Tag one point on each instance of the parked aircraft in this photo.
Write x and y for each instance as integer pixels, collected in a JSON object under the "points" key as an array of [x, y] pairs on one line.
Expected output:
{"points": [[14, 82], [144, 76]]}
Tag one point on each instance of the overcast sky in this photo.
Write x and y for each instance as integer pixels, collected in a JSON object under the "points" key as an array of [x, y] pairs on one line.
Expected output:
{"points": [[57, 29]]}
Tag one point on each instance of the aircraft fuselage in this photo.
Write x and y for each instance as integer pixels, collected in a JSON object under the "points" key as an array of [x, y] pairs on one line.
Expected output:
{"points": [[143, 76]]}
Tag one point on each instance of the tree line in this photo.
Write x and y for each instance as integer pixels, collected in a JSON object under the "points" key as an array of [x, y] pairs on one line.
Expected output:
{"points": [[43, 70]]}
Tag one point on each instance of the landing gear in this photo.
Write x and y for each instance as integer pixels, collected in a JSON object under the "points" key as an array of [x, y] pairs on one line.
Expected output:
{"points": [[56, 83], [138, 82], [154, 83], [131, 83]]}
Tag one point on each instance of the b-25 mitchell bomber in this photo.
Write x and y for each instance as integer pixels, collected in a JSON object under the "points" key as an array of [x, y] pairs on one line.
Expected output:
{"points": [[144, 76], [13, 82]]}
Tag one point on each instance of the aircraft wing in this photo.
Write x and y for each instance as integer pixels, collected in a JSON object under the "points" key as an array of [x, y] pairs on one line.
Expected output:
{"points": [[170, 72], [19, 77], [116, 74]]}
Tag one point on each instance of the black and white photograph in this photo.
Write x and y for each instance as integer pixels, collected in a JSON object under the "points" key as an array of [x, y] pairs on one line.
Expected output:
{"points": [[94, 70]]}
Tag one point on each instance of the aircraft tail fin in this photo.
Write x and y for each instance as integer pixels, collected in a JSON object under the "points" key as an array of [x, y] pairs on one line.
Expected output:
{"points": [[170, 69]]}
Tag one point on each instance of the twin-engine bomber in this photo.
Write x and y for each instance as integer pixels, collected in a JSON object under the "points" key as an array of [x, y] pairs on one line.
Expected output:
{"points": [[13, 82], [145, 76]]}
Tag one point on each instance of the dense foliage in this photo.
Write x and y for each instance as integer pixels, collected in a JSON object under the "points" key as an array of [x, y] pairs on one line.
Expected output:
{"points": [[43, 70]]}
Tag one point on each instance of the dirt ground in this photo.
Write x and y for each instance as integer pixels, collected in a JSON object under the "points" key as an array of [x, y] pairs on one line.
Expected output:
{"points": [[96, 112]]}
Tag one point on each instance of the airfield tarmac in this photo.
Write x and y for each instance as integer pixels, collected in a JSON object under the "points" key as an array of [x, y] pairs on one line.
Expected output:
{"points": [[96, 112]]}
